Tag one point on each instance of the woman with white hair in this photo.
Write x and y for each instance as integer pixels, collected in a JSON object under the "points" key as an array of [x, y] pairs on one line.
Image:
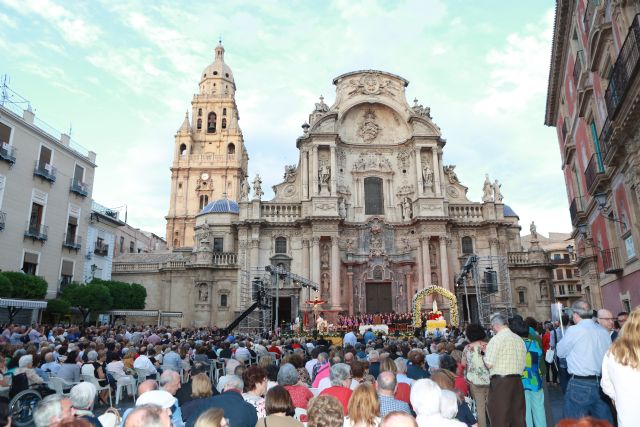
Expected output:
{"points": [[25, 366], [426, 397], [94, 368], [82, 397], [289, 379]]}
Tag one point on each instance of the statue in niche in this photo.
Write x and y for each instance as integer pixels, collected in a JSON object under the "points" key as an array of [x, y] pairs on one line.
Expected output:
{"points": [[432, 254], [203, 293], [407, 209], [451, 175], [434, 279], [487, 190], [257, 188], [325, 283], [324, 174], [342, 209], [427, 176], [497, 195], [324, 256], [244, 189], [369, 129]]}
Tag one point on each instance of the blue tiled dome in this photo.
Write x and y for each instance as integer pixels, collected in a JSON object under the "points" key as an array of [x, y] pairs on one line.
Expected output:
{"points": [[221, 206], [509, 212]]}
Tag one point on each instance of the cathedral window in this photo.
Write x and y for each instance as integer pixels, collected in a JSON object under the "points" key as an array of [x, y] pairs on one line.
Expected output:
{"points": [[224, 111], [211, 123], [373, 196], [467, 245], [231, 149], [223, 300], [281, 245], [218, 244], [224, 123], [183, 150], [199, 112], [199, 126], [204, 201]]}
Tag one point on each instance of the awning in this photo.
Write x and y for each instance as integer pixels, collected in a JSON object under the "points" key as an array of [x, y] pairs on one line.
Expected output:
{"points": [[22, 303], [139, 313], [170, 314]]}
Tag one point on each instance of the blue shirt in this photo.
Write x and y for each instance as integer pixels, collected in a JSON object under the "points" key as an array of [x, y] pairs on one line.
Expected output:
{"points": [[172, 360], [584, 346]]}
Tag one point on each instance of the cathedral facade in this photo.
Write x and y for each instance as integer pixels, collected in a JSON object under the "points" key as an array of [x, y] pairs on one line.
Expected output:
{"points": [[370, 212]]}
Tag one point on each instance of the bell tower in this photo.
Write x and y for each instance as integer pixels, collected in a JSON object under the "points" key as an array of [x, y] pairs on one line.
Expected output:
{"points": [[210, 160]]}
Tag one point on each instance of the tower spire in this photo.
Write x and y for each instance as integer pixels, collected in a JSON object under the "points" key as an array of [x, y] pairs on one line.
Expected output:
{"points": [[219, 51]]}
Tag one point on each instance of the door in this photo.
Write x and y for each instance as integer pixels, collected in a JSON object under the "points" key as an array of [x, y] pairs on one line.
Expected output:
{"points": [[379, 298], [284, 311]]}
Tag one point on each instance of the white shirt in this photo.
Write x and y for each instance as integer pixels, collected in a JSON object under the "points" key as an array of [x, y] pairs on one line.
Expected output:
{"points": [[143, 362], [349, 339], [309, 366], [620, 383]]}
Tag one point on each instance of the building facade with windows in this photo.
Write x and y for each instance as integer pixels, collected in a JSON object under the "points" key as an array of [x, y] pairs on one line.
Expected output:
{"points": [[46, 182], [592, 100], [370, 213]]}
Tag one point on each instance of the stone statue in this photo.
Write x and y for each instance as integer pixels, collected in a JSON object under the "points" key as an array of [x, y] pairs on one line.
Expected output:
{"points": [[244, 189], [203, 294], [497, 195], [487, 190], [257, 188], [321, 107], [407, 210], [369, 129], [324, 174], [342, 209], [533, 230], [448, 170], [427, 176]]}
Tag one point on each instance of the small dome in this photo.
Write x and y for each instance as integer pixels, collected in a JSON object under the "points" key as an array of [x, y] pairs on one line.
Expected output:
{"points": [[509, 212], [221, 206], [218, 69]]}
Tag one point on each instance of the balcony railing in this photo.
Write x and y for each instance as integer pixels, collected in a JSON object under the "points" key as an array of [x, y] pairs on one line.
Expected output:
{"points": [[37, 232], [101, 249], [594, 172], [560, 261], [3, 219], [576, 209], [624, 70], [577, 68], [588, 14], [72, 241], [78, 187], [45, 171], [225, 258], [611, 260], [8, 153]]}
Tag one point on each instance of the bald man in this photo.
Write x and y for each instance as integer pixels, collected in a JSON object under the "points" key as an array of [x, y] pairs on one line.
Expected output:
{"points": [[148, 415], [607, 321]]}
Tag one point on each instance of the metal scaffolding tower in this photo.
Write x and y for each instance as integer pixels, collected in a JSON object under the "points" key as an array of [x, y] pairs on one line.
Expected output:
{"points": [[255, 283]]}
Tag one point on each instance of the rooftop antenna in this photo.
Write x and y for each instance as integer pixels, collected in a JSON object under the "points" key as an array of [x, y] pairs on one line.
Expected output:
{"points": [[70, 129]]}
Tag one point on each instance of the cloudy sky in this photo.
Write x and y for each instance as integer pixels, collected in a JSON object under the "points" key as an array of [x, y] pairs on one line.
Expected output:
{"points": [[122, 75]]}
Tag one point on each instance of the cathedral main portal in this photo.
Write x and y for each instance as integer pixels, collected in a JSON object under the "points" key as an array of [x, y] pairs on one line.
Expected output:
{"points": [[378, 297]]}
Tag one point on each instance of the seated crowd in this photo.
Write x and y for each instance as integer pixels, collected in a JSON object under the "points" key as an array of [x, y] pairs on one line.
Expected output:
{"points": [[375, 319]]}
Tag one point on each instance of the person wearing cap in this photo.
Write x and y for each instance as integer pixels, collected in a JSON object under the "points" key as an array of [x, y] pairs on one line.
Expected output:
{"points": [[239, 412], [155, 404]]}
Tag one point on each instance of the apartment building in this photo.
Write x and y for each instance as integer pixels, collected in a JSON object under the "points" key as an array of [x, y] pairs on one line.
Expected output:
{"points": [[46, 182], [592, 101]]}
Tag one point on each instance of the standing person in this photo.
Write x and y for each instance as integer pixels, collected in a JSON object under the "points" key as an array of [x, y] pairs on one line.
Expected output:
{"points": [[476, 372], [607, 321], [532, 378], [584, 346], [350, 339], [554, 339], [621, 371], [505, 358], [552, 369]]}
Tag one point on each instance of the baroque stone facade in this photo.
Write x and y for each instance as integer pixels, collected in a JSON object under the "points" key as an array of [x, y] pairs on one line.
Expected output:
{"points": [[370, 213]]}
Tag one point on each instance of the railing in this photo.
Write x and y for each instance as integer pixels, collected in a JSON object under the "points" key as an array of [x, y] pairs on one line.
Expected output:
{"points": [[101, 249], [577, 68], [624, 70], [135, 267], [467, 213], [518, 258], [208, 158], [45, 171], [605, 138], [280, 212], [576, 209], [3, 219], [225, 258], [595, 169], [588, 14], [8, 152], [37, 232], [79, 187], [560, 261], [97, 207], [175, 264], [72, 241], [611, 260]]}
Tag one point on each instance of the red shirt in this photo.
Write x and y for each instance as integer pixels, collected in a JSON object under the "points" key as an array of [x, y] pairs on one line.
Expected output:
{"points": [[461, 385], [343, 394], [300, 395], [546, 341], [403, 392]]}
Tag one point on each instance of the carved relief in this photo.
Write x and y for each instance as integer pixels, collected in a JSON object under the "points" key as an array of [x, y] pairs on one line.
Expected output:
{"points": [[451, 175], [374, 161], [341, 157], [290, 172], [419, 110], [376, 240], [369, 129], [371, 84], [404, 157], [405, 190]]}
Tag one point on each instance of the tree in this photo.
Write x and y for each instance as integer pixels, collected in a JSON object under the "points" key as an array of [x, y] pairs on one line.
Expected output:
{"points": [[6, 288], [26, 286], [126, 296], [58, 307], [89, 298]]}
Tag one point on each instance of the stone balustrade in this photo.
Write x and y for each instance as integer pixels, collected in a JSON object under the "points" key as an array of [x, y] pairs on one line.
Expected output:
{"points": [[527, 258], [280, 212], [225, 258], [208, 158], [466, 213]]}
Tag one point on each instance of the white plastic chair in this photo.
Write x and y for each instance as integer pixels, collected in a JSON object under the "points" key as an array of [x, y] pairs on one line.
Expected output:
{"points": [[93, 380], [124, 386], [142, 375], [58, 385]]}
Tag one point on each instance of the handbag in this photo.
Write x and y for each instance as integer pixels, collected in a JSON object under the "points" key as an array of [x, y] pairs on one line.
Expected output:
{"points": [[549, 356]]}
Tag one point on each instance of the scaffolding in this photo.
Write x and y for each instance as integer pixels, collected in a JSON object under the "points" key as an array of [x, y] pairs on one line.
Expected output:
{"points": [[255, 284], [489, 278]]}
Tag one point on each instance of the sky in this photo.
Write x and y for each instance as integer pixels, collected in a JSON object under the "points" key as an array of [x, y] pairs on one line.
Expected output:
{"points": [[121, 75]]}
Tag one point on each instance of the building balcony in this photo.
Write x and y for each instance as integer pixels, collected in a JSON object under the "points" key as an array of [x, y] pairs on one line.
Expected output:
{"points": [[101, 249], [624, 70], [594, 173], [38, 232], [578, 69], [8, 153], [45, 171], [589, 13], [577, 210], [560, 261], [78, 187], [71, 241], [611, 261], [3, 219]]}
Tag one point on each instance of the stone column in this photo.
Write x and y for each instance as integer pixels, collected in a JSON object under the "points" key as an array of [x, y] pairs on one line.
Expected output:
{"points": [[314, 170], [306, 292], [334, 169], [350, 291], [437, 157], [315, 260], [420, 263], [335, 272], [426, 262], [444, 263], [420, 185], [409, 290], [304, 159]]}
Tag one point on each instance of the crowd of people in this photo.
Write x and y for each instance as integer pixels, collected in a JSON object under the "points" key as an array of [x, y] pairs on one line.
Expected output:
{"points": [[199, 378], [374, 319]]}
